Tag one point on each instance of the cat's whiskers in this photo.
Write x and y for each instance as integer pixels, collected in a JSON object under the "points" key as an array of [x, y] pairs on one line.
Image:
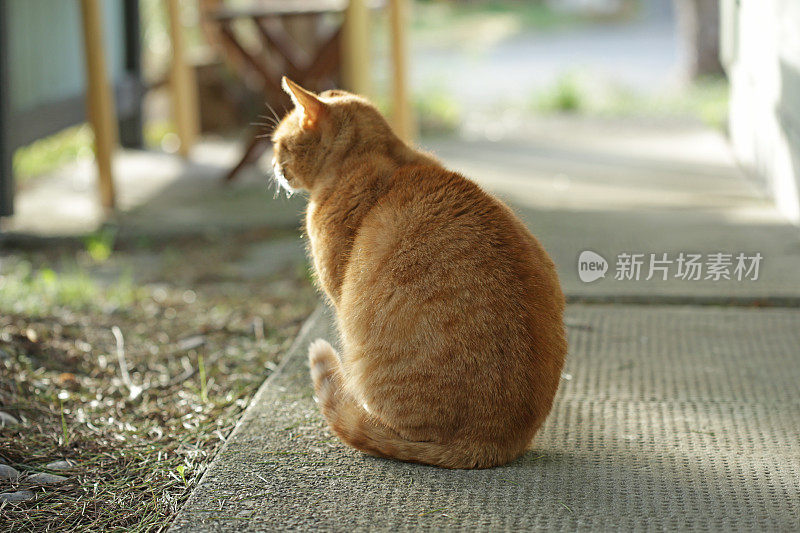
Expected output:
{"points": [[269, 126], [274, 114], [271, 182], [280, 180]]}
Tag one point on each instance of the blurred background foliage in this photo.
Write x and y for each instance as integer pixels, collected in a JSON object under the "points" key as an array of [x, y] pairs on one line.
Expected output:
{"points": [[471, 27]]}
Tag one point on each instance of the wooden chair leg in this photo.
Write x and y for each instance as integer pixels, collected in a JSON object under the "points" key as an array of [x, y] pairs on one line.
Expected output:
{"points": [[309, 69], [255, 149]]}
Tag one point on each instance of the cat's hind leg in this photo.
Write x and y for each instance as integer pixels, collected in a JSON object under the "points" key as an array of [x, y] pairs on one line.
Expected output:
{"points": [[341, 411], [353, 424]]}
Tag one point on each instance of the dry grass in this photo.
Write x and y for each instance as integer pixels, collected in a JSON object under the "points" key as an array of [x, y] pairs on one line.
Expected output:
{"points": [[197, 342]]}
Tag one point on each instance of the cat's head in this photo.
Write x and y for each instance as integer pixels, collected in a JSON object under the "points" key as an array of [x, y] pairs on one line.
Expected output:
{"points": [[315, 137]]}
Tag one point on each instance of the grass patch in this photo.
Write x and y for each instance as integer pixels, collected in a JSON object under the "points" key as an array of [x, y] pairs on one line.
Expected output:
{"points": [[436, 111], [567, 95], [160, 135], [35, 292], [77, 143], [48, 154], [191, 353], [705, 100], [531, 15], [479, 24], [100, 244]]}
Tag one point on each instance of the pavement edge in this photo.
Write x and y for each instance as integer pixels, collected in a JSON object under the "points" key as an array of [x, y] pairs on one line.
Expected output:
{"points": [[298, 348]]}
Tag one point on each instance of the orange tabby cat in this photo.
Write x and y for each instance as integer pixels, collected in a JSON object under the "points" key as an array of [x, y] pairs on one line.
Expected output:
{"points": [[450, 311]]}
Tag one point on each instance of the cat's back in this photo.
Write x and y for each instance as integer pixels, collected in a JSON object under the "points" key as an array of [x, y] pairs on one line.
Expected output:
{"points": [[432, 219], [437, 247]]}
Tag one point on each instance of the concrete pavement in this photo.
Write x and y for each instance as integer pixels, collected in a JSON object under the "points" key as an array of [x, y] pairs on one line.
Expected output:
{"points": [[668, 418]]}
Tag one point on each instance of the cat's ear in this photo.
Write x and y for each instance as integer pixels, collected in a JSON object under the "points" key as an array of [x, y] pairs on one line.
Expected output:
{"points": [[313, 108]]}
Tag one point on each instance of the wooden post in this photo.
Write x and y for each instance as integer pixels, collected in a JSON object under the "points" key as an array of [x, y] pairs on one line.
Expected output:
{"points": [[183, 85], [403, 118], [100, 100], [356, 53]]}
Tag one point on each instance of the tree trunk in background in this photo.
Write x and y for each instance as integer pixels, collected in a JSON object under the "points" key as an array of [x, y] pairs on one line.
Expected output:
{"points": [[698, 27]]}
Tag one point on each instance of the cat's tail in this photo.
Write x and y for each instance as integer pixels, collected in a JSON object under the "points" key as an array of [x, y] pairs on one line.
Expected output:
{"points": [[363, 431]]}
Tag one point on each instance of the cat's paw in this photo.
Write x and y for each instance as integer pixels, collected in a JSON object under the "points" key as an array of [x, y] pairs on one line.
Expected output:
{"points": [[321, 358]]}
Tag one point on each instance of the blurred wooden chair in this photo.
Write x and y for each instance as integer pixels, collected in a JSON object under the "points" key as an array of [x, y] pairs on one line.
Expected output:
{"points": [[265, 39]]}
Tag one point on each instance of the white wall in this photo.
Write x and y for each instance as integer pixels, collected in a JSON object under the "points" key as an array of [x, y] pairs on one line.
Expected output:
{"points": [[46, 49], [761, 52]]}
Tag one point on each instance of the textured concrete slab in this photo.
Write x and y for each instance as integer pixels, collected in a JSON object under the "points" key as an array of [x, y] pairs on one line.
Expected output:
{"points": [[668, 418]]}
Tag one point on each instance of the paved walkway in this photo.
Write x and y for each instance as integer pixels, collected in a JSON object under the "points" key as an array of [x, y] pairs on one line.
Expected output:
{"points": [[669, 417]]}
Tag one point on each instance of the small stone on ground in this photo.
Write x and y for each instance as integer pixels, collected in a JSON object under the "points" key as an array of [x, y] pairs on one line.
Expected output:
{"points": [[8, 472], [19, 496], [43, 478], [191, 343], [60, 465], [7, 420]]}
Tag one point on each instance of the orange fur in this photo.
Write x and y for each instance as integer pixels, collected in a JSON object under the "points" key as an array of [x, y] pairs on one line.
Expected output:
{"points": [[450, 311]]}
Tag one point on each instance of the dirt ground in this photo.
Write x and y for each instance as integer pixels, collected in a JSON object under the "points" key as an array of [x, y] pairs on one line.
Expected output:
{"points": [[133, 362]]}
